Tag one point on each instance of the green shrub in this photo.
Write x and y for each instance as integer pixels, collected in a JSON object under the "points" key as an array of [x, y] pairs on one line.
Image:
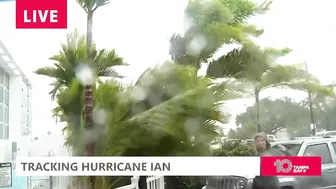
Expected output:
{"points": [[184, 182], [234, 149]]}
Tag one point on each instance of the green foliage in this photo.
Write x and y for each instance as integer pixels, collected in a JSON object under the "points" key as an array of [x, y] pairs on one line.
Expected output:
{"points": [[184, 182], [234, 149], [286, 113], [245, 132], [249, 62], [68, 91], [216, 23], [213, 24], [324, 110], [257, 68], [73, 54], [171, 111], [275, 115]]}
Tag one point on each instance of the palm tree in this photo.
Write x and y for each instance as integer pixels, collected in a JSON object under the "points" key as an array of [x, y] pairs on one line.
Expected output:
{"points": [[68, 89], [89, 6], [64, 74], [213, 26], [259, 70]]}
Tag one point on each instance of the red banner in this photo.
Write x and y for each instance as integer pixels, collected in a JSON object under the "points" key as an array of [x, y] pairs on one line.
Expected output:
{"points": [[41, 14], [291, 166]]}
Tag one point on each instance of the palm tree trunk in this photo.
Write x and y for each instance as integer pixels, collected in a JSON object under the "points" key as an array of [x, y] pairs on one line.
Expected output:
{"points": [[257, 101], [89, 23], [88, 107]]}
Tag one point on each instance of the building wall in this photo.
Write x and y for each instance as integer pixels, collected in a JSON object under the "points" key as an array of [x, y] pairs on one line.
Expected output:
{"points": [[4, 104], [15, 103], [20, 114]]}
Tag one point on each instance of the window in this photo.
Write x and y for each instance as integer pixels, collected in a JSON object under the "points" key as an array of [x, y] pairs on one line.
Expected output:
{"points": [[1, 131], [319, 150], [6, 80], [2, 76], [6, 100], [334, 145], [6, 131], [291, 148], [1, 114], [1, 94], [6, 115]]}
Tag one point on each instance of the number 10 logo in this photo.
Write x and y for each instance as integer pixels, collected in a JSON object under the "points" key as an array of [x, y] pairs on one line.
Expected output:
{"points": [[279, 164]]}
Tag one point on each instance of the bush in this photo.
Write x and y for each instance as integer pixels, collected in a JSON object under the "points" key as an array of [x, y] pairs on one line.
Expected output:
{"points": [[184, 182], [234, 149]]}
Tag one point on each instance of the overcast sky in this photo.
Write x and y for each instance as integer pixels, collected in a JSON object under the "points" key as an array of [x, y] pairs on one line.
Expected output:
{"points": [[140, 30]]}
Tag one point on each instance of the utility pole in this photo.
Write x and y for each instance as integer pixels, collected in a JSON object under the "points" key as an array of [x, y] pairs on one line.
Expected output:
{"points": [[312, 118]]}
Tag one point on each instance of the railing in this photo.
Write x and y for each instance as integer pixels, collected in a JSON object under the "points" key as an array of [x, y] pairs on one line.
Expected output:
{"points": [[134, 184], [153, 182]]}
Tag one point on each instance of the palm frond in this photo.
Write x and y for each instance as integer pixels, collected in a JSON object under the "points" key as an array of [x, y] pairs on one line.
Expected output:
{"points": [[92, 5], [219, 23], [72, 55]]}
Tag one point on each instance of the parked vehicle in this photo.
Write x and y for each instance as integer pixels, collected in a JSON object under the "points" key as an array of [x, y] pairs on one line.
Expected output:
{"points": [[249, 142], [326, 133], [271, 137], [317, 146]]}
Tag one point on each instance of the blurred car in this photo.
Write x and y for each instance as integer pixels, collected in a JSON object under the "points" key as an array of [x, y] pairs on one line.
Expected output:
{"points": [[249, 142], [326, 133], [271, 137]]}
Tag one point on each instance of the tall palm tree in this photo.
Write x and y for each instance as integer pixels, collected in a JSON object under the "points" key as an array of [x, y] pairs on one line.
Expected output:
{"points": [[64, 74], [89, 6], [67, 88], [219, 23], [259, 70], [213, 26]]}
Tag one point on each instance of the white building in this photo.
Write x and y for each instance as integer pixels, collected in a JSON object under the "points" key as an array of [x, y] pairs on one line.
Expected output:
{"points": [[15, 104]]}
